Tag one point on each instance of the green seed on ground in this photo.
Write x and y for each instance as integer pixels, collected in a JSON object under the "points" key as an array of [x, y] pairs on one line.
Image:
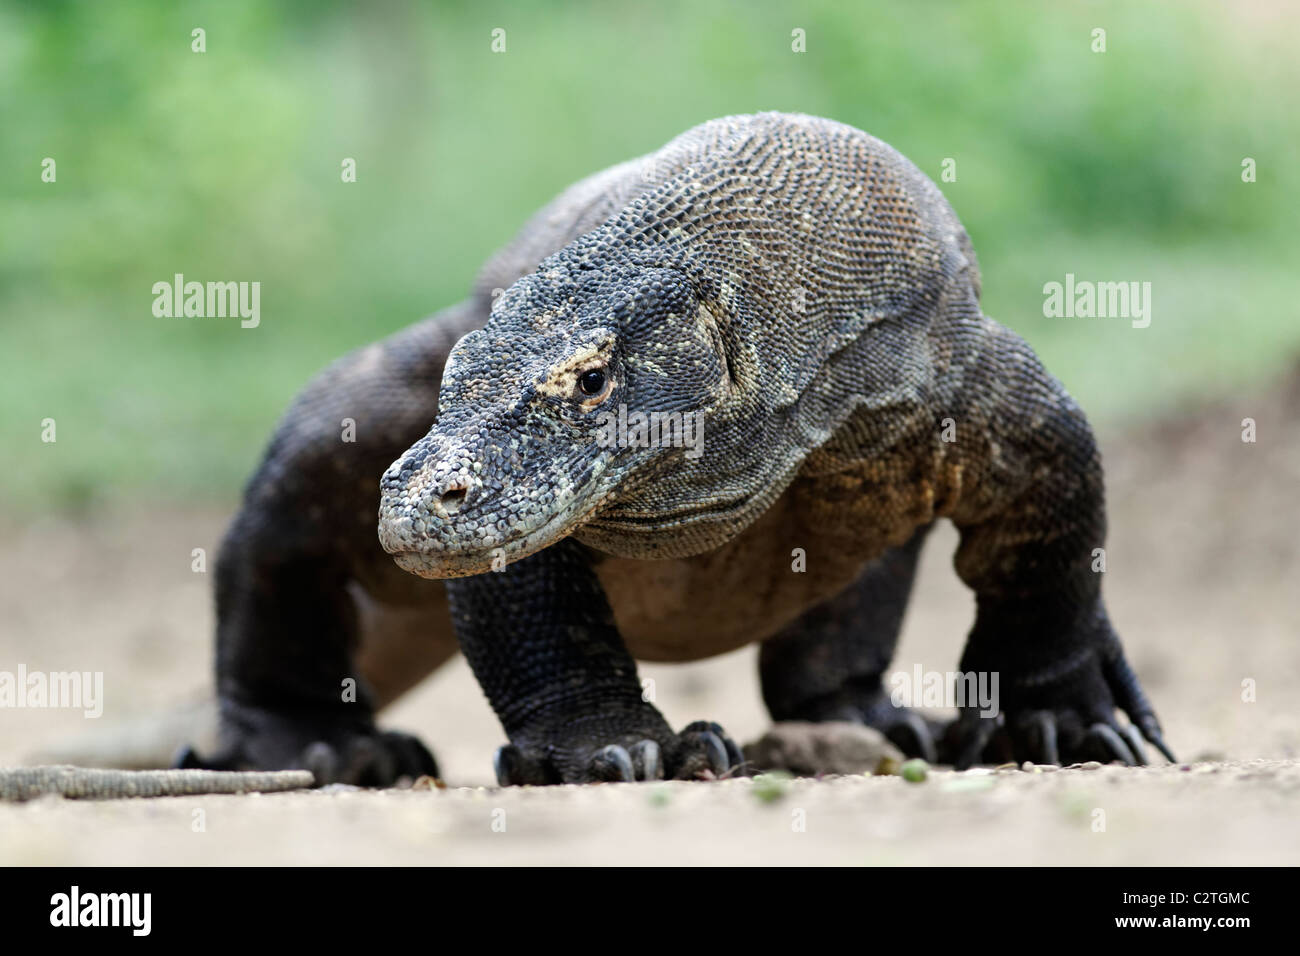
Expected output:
{"points": [[770, 787], [914, 771]]}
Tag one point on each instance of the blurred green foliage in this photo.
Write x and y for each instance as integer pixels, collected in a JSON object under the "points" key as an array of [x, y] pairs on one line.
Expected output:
{"points": [[225, 165]]}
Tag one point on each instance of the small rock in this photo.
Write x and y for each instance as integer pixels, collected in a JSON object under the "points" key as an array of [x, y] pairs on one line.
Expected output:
{"points": [[808, 749], [771, 787], [915, 771]]}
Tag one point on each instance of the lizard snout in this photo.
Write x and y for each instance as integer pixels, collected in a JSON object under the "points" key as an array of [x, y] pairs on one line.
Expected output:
{"points": [[422, 493]]}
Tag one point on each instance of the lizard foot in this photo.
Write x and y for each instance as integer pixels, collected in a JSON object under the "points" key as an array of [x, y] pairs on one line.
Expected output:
{"points": [[907, 730], [914, 735], [702, 750], [358, 754], [1068, 720]]}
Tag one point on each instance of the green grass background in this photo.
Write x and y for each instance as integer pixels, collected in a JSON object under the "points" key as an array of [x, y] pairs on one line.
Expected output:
{"points": [[225, 165]]}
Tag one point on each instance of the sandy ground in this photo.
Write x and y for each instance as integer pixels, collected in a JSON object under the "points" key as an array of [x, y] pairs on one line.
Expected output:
{"points": [[1203, 566]]}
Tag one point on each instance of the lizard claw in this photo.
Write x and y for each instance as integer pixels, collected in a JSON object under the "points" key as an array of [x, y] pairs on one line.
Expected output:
{"points": [[912, 735], [515, 768], [1041, 730], [706, 747], [1131, 699], [1065, 728], [1133, 737], [701, 750], [1153, 737], [647, 760], [641, 761], [612, 763], [969, 736], [1110, 744]]}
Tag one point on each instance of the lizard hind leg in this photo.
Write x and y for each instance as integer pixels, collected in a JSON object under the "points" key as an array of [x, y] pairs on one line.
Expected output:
{"points": [[828, 663], [298, 646]]}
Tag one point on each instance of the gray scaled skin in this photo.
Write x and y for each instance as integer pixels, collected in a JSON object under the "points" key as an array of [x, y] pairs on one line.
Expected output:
{"points": [[805, 293]]}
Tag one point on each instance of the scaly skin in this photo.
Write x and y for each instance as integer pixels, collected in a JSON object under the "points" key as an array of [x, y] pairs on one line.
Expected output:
{"points": [[809, 294]]}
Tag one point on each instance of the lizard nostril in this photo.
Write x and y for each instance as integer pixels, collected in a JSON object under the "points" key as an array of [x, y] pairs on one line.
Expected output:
{"points": [[452, 499]]}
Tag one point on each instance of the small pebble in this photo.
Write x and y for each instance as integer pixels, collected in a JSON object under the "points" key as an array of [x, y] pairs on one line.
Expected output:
{"points": [[339, 788], [770, 787], [914, 771]]}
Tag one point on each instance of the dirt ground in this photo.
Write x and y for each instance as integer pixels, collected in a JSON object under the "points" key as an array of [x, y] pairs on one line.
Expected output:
{"points": [[1203, 572]]}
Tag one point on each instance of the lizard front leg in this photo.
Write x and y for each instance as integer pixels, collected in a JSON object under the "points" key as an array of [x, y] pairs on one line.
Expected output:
{"points": [[1032, 521], [540, 637]]}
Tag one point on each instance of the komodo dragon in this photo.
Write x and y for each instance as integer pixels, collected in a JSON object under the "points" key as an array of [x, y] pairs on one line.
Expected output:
{"points": [[808, 294]]}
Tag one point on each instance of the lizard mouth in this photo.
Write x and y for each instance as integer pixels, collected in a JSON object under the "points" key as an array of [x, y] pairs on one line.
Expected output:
{"points": [[438, 565], [438, 562]]}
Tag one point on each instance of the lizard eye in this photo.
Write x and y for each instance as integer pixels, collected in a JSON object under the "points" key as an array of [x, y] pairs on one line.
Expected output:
{"points": [[592, 381]]}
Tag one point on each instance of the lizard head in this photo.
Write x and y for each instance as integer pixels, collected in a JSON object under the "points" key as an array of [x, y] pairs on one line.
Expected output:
{"points": [[584, 385]]}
